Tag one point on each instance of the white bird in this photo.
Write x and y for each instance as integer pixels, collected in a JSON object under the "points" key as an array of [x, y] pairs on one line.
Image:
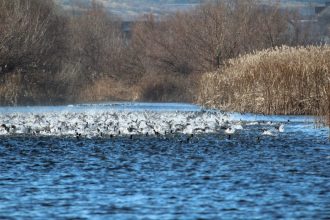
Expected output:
{"points": [[268, 133], [281, 128], [252, 123], [3, 130], [237, 127], [230, 130]]}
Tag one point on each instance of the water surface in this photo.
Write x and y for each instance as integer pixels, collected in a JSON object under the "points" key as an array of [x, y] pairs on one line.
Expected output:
{"points": [[174, 176]]}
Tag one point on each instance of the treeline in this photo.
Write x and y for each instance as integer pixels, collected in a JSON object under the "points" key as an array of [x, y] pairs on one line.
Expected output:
{"points": [[52, 56]]}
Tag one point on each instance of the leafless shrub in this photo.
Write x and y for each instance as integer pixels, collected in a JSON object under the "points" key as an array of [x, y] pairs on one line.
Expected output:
{"points": [[29, 35], [97, 43], [31, 40], [202, 39], [56, 56]]}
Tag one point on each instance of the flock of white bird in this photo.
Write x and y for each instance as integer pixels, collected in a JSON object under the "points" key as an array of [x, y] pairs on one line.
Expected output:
{"points": [[119, 123]]}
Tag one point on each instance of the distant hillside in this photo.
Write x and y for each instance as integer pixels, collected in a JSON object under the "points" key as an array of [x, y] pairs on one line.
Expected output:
{"points": [[133, 8], [129, 9], [308, 1], [305, 2]]}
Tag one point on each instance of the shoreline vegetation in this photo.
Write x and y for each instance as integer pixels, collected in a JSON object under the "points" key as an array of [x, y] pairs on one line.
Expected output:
{"points": [[226, 54], [283, 80]]}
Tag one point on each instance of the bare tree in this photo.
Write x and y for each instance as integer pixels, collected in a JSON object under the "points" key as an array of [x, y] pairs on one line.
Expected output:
{"points": [[201, 39], [97, 43], [29, 34]]}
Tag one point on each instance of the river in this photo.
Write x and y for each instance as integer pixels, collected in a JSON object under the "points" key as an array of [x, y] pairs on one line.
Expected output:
{"points": [[199, 171]]}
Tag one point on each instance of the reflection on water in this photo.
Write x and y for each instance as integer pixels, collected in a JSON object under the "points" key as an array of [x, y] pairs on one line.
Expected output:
{"points": [[168, 177]]}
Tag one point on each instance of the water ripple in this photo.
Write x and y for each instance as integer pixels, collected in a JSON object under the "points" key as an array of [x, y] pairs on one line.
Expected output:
{"points": [[207, 176]]}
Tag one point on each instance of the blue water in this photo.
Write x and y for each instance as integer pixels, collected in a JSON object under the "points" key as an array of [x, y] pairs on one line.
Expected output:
{"points": [[206, 176], [118, 106]]}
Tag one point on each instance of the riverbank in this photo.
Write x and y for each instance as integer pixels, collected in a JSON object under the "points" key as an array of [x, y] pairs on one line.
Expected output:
{"points": [[284, 80]]}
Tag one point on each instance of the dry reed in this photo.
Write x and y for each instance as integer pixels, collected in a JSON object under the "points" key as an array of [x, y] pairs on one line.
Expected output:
{"points": [[107, 89], [283, 80]]}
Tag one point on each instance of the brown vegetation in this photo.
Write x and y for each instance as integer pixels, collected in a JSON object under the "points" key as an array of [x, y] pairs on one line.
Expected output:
{"points": [[52, 56], [107, 88], [30, 47], [48, 57], [186, 44], [96, 43], [200, 40], [283, 80]]}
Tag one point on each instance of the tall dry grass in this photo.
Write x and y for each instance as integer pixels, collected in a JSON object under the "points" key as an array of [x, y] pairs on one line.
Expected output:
{"points": [[105, 89], [168, 88], [284, 80]]}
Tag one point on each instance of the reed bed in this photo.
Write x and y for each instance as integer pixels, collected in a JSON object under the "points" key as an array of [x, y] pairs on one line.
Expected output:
{"points": [[105, 89], [283, 80]]}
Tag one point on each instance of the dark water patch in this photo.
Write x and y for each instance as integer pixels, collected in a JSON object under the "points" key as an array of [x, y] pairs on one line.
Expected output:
{"points": [[205, 177]]}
